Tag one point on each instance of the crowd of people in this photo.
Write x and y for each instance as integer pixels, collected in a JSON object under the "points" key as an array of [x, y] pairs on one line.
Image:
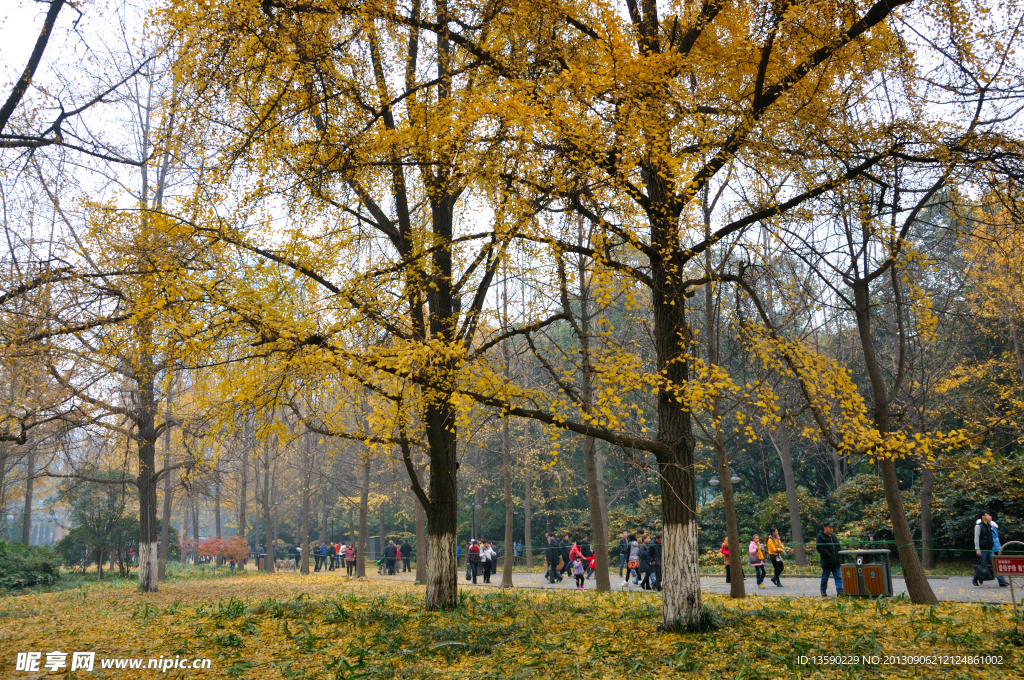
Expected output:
{"points": [[327, 556], [481, 559], [640, 557]]}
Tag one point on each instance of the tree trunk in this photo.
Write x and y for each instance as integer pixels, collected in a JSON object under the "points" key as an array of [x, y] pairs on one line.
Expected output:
{"points": [[918, 588], [599, 463], [307, 481], [165, 524], [782, 440], [681, 597], [243, 493], [506, 469], [195, 529], [927, 485], [380, 527], [364, 511], [442, 513], [216, 504], [268, 562], [421, 540], [26, 518], [183, 535], [99, 565], [594, 493], [737, 588], [527, 508]]}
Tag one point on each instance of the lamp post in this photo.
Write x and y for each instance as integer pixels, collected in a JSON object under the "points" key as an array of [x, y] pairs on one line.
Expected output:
{"points": [[474, 507]]}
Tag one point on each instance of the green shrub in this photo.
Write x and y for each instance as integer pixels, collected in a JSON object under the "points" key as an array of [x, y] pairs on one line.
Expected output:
{"points": [[22, 566]]}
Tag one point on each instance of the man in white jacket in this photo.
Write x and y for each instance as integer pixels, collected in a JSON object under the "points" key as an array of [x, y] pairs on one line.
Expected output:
{"points": [[986, 541]]}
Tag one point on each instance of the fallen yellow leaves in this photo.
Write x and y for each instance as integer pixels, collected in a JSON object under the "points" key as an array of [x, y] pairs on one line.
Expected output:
{"points": [[290, 626]]}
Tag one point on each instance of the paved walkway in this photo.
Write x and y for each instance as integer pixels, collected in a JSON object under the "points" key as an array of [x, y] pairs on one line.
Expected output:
{"points": [[950, 589]]}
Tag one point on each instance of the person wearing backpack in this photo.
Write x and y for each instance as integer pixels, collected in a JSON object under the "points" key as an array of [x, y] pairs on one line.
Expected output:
{"points": [[986, 538]]}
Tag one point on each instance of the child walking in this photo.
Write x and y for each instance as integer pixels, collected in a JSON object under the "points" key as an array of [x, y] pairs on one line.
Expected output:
{"points": [[579, 571]]}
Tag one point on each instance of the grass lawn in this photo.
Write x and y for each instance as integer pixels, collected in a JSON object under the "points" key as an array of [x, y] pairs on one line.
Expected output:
{"points": [[289, 626]]}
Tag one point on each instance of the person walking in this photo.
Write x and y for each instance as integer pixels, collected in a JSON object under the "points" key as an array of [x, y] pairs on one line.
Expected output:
{"points": [[350, 560], [579, 571], [644, 555], [565, 545], [757, 559], [390, 555], [473, 559], [318, 556], [406, 548], [828, 547], [623, 551], [633, 562], [487, 555], [775, 552], [551, 554], [725, 554], [986, 543]]}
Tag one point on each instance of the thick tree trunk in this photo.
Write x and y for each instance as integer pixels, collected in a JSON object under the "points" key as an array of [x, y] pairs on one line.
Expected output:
{"points": [[792, 501], [165, 523], [145, 438], [681, 597], [421, 540], [26, 518], [927, 485], [364, 511], [506, 469], [442, 513]]}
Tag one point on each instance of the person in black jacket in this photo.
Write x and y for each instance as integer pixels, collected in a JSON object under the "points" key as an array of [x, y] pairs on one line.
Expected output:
{"points": [[551, 554], [656, 561], [565, 547], [645, 562], [390, 553], [406, 555], [828, 548], [623, 551]]}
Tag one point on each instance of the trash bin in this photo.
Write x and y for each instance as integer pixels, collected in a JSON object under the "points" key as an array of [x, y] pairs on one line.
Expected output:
{"points": [[869, 575]]}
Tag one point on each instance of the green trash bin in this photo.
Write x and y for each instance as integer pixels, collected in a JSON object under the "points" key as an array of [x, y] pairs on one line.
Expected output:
{"points": [[869, 574]]}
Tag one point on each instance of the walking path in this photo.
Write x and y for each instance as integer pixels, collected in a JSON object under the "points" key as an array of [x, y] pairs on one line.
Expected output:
{"points": [[947, 589]]}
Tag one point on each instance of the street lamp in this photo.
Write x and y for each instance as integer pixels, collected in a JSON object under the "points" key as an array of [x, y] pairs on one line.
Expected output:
{"points": [[713, 481], [474, 507], [735, 479]]}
